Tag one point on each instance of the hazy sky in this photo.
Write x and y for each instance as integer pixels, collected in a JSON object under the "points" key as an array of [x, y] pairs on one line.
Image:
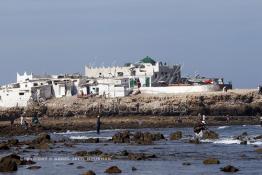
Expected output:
{"points": [[221, 38]]}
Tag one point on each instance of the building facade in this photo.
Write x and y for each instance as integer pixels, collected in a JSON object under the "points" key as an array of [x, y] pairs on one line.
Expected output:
{"points": [[147, 72]]}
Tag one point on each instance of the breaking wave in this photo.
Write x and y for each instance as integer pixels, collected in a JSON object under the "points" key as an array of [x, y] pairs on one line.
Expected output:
{"points": [[223, 127], [229, 141], [86, 137]]}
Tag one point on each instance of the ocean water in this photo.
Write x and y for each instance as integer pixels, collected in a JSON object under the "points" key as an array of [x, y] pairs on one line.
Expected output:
{"points": [[170, 154]]}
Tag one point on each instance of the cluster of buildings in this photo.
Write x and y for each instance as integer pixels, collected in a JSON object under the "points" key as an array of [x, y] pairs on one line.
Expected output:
{"points": [[147, 76]]}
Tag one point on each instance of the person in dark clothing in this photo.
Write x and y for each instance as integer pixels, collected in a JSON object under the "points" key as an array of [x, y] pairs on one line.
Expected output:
{"points": [[260, 90], [98, 124], [261, 121], [199, 128]]}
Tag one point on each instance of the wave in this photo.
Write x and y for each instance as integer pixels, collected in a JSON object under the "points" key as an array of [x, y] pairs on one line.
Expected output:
{"points": [[86, 137], [229, 141], [223, 127], [84, 132]]}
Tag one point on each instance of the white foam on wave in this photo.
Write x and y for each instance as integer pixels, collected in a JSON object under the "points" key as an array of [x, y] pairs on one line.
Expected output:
{"points": [[229, 141], [86, 137], [223, 127], [83, 132]]}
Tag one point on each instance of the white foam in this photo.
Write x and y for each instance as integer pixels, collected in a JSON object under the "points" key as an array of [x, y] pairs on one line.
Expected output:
{"points": [[229, 141], [86, 137], [83, 132], [223, 127]]}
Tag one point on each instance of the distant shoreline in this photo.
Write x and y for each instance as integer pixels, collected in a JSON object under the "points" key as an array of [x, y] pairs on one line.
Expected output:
{"points": [[119, 122]]}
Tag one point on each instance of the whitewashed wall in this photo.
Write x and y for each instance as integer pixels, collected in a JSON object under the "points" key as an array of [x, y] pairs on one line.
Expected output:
{"points": [[179, 89]]}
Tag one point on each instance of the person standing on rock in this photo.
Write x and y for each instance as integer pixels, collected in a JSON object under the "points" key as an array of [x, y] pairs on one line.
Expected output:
{"points": [[199, 128], [261, 121], [98, 124]]}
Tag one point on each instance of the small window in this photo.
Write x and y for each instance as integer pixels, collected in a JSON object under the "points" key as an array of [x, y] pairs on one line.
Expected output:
{"points": [[35, 84], [0, 98], [120, 74], [21, 93]]}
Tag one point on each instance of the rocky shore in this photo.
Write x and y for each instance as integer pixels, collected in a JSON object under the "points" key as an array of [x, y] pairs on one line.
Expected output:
{"points": [[141, 111]]}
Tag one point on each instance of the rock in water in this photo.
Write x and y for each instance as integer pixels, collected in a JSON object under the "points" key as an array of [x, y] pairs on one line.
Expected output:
{"points": [[210, 135], [176, 136], [90, 173], [42, 138], [13, 142], [194, 141], [113, 170], [8, 164], [81, 153], [258, 137], [4, 146], [211, 161], [229, 169], [121, 137], [259, 150], [134, 169], [34, 167]]}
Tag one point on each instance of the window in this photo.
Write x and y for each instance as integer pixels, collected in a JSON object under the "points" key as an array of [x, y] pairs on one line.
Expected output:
{"points": [[120, 74], [0, 98], [35, 84], [21, 93]]}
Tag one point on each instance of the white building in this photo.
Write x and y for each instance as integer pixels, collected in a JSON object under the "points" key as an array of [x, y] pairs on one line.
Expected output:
{"points": [[107, 87], [20, 94], [38, 87], [147, 72]]}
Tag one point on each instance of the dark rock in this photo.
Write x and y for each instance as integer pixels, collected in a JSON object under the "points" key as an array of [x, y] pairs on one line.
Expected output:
{"points": [[4, 146], [90, 173], [95, 153], [70, 164], [258, 137], [194, 141], [243, 136], [147, 138], [80, 167], [229, 169], [27, 162], [186, 163], [113, 170], [259, 150], [211, 161], [81, 153], [134, 169], [42, 146], [34, 167], [9, 163], [176, 135], [124, 153], [92, 140], [13, 157], [244, 142], [42, 138], [69, 145], [13, 142], [210, 135], [122, 137], [136, 156], [140, 156]]}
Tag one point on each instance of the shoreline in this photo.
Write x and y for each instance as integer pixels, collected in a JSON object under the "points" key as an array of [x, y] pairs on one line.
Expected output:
{"points": [[82, 123]]}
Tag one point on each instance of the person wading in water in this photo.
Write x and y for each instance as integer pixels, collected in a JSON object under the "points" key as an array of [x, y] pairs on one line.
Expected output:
{"points": [[98, 124], [199, 128]]}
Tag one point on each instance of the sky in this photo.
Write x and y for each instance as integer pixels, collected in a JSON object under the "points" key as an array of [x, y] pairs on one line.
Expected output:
{"points": [[213, 38]]}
